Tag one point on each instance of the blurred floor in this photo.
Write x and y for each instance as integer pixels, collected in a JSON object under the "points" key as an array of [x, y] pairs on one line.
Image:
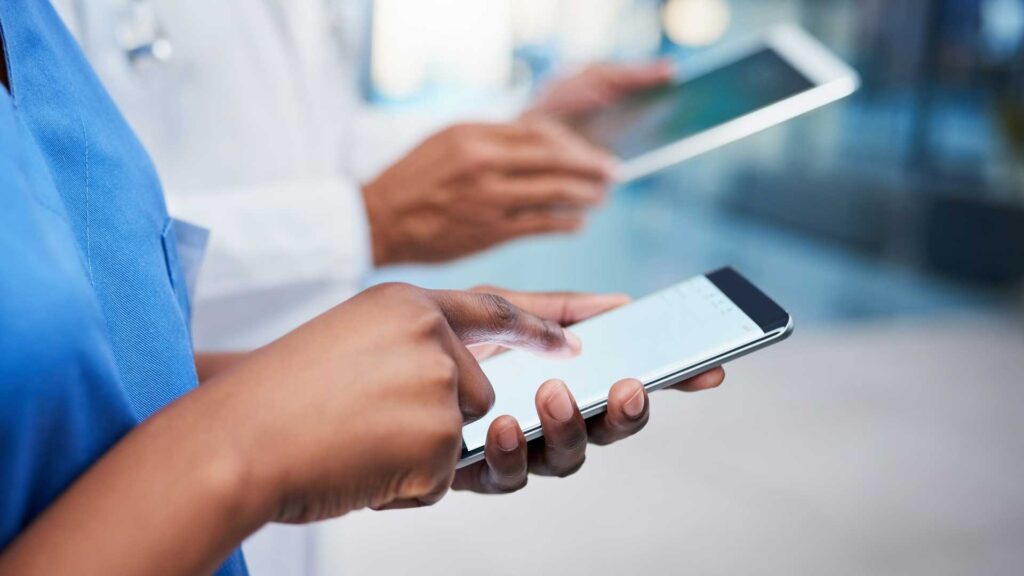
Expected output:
{"points": [[907, 198], [881, 449]]}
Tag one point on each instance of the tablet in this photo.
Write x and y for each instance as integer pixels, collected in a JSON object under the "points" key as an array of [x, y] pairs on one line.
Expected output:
{"points": [[726, 95]]}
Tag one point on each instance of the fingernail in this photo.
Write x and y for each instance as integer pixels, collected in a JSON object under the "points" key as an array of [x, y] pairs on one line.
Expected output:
{"points": [[634, 407], [508, 439], [574, 342], [560, 405]]}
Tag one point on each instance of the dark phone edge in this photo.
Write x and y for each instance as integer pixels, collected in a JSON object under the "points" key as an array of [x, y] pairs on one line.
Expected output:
{"points": [[754, 303]]}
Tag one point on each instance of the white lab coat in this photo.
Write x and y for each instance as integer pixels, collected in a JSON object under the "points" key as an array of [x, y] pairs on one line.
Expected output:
{"points": [[247, 124]]}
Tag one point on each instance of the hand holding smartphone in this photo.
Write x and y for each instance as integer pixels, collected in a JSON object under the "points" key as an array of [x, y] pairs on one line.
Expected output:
{"points": [[662, 339]]}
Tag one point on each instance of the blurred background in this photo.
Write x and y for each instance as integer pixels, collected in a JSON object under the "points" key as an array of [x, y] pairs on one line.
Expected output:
{"points": [[886, 436], [906, 199]]}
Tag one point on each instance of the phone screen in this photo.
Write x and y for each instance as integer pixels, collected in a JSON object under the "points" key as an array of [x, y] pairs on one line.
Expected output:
{"points": [[662, 116], [650, 339]]}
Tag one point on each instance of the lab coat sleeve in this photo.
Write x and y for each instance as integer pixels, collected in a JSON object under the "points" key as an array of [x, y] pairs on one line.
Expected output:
{"points": [[276, 236]]}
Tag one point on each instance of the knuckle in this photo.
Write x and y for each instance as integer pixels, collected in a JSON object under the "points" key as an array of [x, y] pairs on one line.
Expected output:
{"points": [[501, 311], [474, 157], [440, 446], [485, 289], [551, 333], [570, 449], [467, 147], [443, 479], [539, 130], [430, 486], [622, 429], [448, 434], [429, 323], [417, 486], [574, 445], [550, 141], [458, 147], [393, 290], [430, 457], [563, 156], [443, 370], [489, 186], [442, 486]]}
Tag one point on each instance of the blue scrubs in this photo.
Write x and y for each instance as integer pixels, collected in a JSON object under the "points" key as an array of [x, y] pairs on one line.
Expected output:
{"points": [[94, 336]]}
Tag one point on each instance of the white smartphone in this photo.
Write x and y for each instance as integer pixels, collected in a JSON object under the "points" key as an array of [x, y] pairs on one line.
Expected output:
{"points": [[662, 340], [725, 95]]}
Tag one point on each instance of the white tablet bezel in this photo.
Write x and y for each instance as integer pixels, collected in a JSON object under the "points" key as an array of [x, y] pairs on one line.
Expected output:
{"points": [[832, 78]]}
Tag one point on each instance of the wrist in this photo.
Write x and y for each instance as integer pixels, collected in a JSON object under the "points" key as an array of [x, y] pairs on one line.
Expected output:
{"points": [[378, 220], [264, 458], [229, 464], [247, 499]]}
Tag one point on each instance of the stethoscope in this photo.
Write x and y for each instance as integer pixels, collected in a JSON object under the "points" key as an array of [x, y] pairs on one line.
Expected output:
{"points": [[141, 35], [138, 32]]}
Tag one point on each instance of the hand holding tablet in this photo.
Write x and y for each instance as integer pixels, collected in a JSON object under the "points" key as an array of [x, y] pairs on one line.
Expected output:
{"points": [[727, 95]]}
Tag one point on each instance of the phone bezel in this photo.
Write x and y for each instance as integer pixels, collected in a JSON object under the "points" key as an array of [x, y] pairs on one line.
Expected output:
{"points": [[775, 322]]}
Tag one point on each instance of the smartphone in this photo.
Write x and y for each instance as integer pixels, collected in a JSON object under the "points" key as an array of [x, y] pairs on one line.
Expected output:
{"points": [[662, 340], [719, 97]]}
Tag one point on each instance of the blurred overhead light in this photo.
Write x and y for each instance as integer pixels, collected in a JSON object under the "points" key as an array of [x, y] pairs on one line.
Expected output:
{"points": [[1003, 26], [696, 22]]}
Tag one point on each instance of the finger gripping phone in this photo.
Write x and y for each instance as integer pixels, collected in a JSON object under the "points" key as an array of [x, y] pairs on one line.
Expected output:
{"points": [[662, 340]]}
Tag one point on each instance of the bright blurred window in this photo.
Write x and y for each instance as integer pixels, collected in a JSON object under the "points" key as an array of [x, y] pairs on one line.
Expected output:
{"points": [[432, 49], [421, 46]]}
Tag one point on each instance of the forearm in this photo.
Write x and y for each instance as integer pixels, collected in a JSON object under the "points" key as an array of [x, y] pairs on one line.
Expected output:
{"points": [[209, 364], [175, 496]]}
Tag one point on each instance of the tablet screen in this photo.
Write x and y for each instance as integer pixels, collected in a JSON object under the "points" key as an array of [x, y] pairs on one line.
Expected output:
{"points": [[657, 118]]}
